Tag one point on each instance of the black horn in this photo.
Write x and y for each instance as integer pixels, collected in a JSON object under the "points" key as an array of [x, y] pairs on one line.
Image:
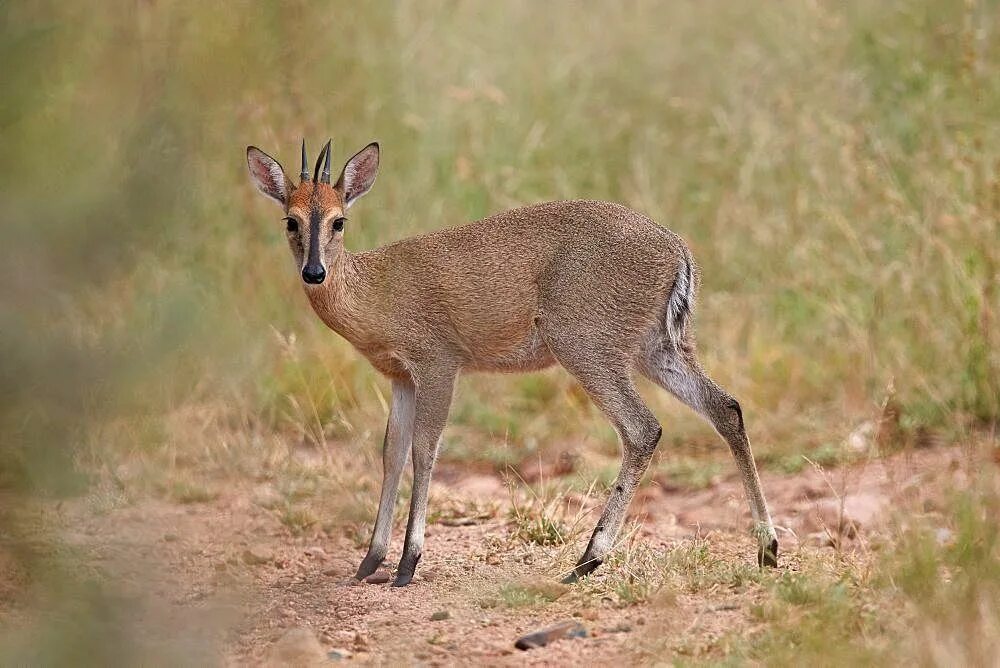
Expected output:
{"points": [[325, 176], [319, 161], [304, 172]]}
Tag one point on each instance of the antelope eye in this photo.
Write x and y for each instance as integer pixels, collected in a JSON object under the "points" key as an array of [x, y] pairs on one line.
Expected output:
{"points": [[338, 224], [291, 224]]}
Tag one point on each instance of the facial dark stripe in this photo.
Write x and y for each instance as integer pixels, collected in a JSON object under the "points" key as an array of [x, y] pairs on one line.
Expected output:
{"points": [[314, 221]]}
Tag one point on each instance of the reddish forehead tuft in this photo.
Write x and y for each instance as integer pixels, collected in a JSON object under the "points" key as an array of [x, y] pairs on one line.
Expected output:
{"points": [[311, 196]]}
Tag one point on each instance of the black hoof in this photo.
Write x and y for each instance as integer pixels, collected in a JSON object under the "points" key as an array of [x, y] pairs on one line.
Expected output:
{"points": [[404, 574], [368, 566], [586, 566], [768, 556]]}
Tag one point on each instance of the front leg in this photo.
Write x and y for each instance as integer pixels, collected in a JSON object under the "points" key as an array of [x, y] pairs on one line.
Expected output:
{"points": [[395, 449], [433, 401]]}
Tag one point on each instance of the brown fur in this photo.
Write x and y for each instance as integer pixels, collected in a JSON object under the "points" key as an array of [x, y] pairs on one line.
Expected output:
{"points": [[492, 295], [310, 196], [593, 286]]}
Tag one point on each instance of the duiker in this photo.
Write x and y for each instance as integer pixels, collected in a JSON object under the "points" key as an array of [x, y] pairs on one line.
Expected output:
{"points": [[592, 286]]}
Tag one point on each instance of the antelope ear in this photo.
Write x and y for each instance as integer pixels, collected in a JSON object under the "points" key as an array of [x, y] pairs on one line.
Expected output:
{"points": [[268, 175], [359, 174]]}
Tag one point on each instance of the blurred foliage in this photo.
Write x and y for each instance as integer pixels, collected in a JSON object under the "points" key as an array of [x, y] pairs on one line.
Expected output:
{"points": [[835, 167]]}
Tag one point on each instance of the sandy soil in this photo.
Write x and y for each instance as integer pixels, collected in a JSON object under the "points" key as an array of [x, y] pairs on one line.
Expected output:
{"points": [[233, 581]]}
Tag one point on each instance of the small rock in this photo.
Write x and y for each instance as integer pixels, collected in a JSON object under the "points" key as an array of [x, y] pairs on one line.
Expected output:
{"points": [[569, 629], [258, 555], [171, 537], [440, 615], [315, 552], [381, 576], [621, 627], [297, 647]]}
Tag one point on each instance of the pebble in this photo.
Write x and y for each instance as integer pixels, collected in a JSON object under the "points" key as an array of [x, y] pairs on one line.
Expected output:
{"points": [[171, 537], [381, 576], [440, 615], [568, 629]]}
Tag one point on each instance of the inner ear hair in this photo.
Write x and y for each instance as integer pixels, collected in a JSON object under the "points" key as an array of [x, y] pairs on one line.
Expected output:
{"points": [[267, 175], [358, 175]]}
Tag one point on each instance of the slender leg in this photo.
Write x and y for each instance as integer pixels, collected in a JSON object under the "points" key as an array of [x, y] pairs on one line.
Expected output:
{"points": [[613, 391], [433, 401], [395, 450], [678, 372]]}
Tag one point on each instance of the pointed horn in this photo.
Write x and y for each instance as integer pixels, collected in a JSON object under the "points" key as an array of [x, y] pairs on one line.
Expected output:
{"points": [[325, 176], [319, 161], [304, 172]]}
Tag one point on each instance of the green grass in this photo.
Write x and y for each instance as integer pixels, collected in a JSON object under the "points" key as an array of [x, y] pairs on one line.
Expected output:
{"points": [[525, 594]]}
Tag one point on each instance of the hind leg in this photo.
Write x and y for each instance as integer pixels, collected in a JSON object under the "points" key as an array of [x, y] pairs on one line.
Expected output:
{"points": [[678, 372], [608, 382]]}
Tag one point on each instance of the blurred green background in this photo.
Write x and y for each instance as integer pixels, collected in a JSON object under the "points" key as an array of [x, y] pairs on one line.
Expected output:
{"points": [[835, 168]]}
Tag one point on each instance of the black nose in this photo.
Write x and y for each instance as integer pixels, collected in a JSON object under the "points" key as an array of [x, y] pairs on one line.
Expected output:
{"points": [[313, 273]]}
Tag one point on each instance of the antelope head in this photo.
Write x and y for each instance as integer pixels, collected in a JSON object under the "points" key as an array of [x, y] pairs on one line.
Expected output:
{"points": [[315, 211]]}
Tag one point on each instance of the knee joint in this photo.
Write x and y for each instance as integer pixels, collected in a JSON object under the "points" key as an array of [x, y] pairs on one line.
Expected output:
{"points": [[647, 438]]}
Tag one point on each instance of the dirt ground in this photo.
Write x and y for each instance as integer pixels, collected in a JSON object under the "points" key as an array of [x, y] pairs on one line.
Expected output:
{"points": [[239, 587]]}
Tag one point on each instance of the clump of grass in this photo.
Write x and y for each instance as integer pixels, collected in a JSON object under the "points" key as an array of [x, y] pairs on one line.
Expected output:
{"points": [[525, 594], [541, 517], [184, 490], [298, 518], [633, 573], [538, 528], [694, 567]]}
